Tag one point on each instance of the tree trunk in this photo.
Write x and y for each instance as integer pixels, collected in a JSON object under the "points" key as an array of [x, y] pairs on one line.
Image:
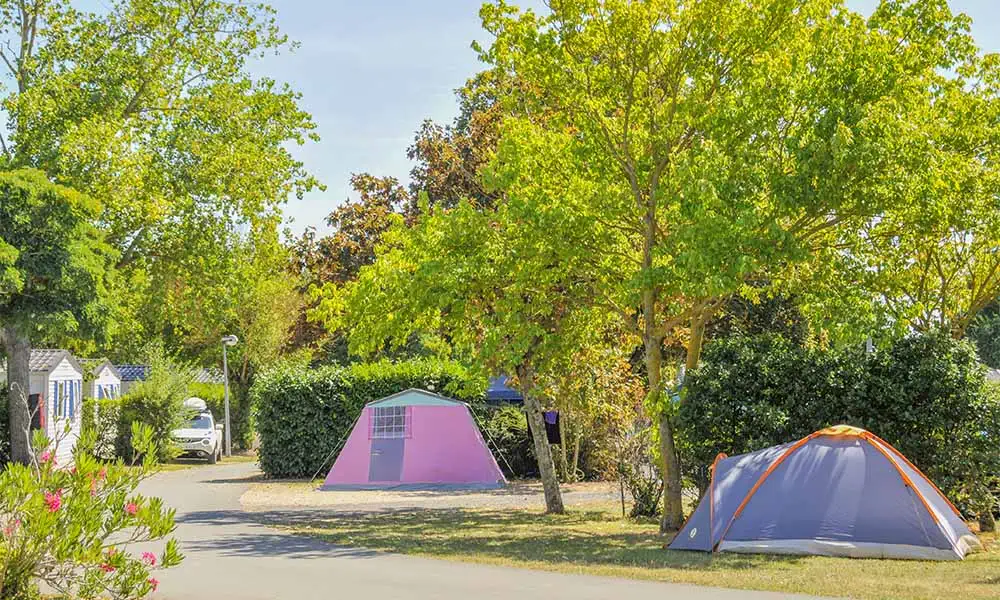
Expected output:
{"points": [[694, 344], [543, 451], [672, 511], [987, 523], [576, 457], [18, 381]]}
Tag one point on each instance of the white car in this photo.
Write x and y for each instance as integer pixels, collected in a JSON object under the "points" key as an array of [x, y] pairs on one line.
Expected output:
{"points": [[202, 437]]}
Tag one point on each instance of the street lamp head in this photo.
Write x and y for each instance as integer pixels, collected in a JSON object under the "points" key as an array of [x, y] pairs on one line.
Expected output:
{"points": [[230, 340]]}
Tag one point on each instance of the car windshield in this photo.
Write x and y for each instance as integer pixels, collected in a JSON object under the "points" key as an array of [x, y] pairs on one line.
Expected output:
{"points": [[201, 422]]}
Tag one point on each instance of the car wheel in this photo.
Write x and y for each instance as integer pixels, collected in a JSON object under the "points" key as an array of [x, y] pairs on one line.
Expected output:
{"points": [[213, 458]]}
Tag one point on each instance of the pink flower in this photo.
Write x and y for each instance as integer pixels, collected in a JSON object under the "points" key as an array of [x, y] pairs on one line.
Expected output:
{"points": [[73, 470], [149, 558], [47, 457], [54, 501], [154, 583], [132, 508], [102, 473], [107, 568], [11, 527]]}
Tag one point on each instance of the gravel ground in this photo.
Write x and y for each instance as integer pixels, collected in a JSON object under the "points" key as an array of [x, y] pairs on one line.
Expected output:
{"points": [[522, 494]]}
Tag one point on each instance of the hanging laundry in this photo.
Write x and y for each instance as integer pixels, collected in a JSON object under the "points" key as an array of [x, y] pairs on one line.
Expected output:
{"points": [[552, 426]]}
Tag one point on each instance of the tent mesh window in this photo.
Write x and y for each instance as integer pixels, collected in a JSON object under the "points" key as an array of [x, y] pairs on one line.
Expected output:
{"points": [[389, 423]]}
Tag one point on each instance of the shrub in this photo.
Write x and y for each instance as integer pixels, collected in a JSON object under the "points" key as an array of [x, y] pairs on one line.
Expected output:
{"points": [[303, 414], [102, 418], [506, 431], [926, 395], [157, 402], [638, 471], [73, 529]]}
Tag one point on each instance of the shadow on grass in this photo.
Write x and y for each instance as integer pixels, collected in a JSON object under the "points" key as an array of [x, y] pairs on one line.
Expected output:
{"points": [[591, 538]]}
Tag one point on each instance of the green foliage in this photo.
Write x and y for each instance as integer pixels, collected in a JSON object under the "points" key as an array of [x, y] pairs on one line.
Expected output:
{"points": [[303, 413], [985, 333], [53, 274], [924, 394], [506, 431], [157, 402], [102, 419], [638, 471], [75, 530]]}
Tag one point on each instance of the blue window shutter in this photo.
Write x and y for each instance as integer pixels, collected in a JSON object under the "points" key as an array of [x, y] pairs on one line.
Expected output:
{"points": [[55, 398], [72, 398]]}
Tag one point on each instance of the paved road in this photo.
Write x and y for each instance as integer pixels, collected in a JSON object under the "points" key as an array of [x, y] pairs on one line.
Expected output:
{"points": [[233, 554]]}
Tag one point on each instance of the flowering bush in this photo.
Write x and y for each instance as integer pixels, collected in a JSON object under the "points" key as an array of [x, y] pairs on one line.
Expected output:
{"points": [[73, 529]]}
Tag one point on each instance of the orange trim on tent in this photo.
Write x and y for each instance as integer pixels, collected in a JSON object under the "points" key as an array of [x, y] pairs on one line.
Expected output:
{"points": [[842, 431], [762, 478], [711, 486], [906, 479], [711, 497], [918, 472]]}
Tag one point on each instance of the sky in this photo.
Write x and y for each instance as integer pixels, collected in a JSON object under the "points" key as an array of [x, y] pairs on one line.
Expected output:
{"points": [[370, 71]]}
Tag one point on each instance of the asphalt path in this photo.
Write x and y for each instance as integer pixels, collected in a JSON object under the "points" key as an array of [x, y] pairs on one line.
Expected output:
{"points": [[230, 553]]}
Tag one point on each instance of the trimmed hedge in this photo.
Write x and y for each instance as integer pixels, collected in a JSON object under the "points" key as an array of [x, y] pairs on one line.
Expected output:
{"points": [[926, 395], [303, 414]]}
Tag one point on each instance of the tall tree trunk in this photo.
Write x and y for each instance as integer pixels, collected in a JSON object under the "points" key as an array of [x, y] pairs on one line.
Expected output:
{"points": [[18, 381], [543, 451], [672, 510]]}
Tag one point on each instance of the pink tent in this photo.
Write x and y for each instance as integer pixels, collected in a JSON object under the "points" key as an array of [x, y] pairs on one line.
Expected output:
{"points": [[415, 440]]}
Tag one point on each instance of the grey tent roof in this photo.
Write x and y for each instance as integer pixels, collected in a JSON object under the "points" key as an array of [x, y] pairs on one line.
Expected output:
{"points": [[95, 365], [133, 372]]}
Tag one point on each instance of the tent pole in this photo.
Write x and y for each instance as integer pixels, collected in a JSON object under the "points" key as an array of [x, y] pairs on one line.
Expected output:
{"points": [[336, 448], [495, 445]]}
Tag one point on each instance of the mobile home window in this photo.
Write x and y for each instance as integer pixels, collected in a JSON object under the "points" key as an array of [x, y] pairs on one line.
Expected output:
{"points": [[62, 398], [390, 422]]}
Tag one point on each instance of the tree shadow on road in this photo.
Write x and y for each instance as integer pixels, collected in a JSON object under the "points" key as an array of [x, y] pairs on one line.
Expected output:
{"points": [[255, 536]]}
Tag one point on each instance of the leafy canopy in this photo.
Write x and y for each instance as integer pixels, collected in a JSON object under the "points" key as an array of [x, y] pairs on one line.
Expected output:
{"points": [[54, 262]]}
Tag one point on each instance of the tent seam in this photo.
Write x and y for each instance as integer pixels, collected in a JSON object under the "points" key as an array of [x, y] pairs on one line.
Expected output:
{"points": [[760, 482], [909, 483]]}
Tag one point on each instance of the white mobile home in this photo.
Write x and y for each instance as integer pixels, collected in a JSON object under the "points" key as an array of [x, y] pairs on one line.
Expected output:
{"points": [[56, 384], [102, 380]]}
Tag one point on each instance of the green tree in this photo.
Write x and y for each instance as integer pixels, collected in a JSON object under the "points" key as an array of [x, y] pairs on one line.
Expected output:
{"points": [[55, 269], [719, 142], [484, 280], [985, 333], [148, 105], [935, 262]]}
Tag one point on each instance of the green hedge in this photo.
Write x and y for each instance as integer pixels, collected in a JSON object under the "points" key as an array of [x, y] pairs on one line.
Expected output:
{"points": [[103, 417], [926, 395], [302, 414]]}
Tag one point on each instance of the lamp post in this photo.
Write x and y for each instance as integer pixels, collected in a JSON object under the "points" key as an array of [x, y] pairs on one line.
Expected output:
{"points": [[229, 340]]}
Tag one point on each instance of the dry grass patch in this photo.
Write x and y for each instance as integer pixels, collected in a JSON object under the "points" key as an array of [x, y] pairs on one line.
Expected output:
{"points": [[599, 542]]}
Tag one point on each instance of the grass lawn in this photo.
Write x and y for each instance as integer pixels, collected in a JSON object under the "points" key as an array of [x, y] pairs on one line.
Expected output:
{"points": [[599, 542]]}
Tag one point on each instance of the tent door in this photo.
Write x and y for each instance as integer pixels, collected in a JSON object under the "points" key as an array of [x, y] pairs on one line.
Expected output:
{"points": [[386, 462]]}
